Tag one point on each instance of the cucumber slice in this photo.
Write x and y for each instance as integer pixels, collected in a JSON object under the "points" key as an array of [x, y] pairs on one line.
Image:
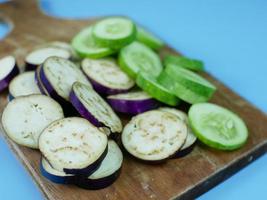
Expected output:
{"points": [[85, 46], [148, 39], [114, 32], [180, 61], [187, 85], [217, 127], [138, 57], [149, 84]]}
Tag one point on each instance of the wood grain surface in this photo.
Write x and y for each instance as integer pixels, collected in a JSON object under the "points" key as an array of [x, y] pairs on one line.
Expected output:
{"points": [[184, 178]]}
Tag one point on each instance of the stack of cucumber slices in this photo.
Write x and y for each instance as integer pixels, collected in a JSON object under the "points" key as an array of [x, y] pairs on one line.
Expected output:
{"points": [[71, 101]]}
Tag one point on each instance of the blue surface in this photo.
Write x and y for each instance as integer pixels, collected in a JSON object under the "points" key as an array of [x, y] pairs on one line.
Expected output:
{"points": [[230, 36]]}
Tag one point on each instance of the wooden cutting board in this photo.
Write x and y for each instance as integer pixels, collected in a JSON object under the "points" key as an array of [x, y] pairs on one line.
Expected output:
{"points": [[184, 178]]}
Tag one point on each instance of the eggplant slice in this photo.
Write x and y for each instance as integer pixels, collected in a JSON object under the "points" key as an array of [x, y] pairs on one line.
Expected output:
{"points": [[154, 135], [108, 171], [73, 145], [25, 117]]}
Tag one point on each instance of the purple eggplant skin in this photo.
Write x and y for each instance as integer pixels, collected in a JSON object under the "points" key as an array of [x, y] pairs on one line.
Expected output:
{"points": [[37, 81], [30, 66], [133, 107], [5, 82], [96, 184], [87, 171], [184, 152], [55, 178], [104, 90], [68, 108], [83, 111]]}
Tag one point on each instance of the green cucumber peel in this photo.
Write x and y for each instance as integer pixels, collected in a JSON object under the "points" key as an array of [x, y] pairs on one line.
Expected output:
{"points": [[150, 85]]}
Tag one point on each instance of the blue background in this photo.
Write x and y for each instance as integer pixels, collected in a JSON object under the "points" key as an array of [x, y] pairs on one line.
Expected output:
{"points": [[230, 36]]}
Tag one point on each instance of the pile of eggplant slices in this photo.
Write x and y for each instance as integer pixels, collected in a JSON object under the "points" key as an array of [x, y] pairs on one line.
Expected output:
{"points": [[66, 104]]}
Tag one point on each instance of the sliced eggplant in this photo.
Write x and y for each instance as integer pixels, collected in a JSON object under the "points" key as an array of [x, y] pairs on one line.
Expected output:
{"points": [[191, 139], [94, 108], [106, 76], [108, 171], [53, 175], [73, 145], [38, 81], [23, 84], [38, 56], [8, 70], [25, 117], [133, 102], [154, 136], [58, 75]]}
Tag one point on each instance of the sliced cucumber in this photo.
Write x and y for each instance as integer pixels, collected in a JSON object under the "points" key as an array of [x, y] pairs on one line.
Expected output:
{"points": [[149, 84], [180, 61], [138, 57], [148, 39], [114, 32], [217, 127], [187, 85], [85, 46]]}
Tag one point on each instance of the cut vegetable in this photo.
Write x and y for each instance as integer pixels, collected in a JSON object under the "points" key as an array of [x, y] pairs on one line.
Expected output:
{"points": [[138, 57], [132, 103], [8, 70], [53, 175], [217, 127], [149, 84], [108, 171], [187, 85], [114, 32], [154, 135], [106, 76], [23, 84], [25, 117], [92, 107], [73, 145], [38, 56], [39, 82], [148, 39], [85, 46], [180, 61], [58, 74], [191, 139]]}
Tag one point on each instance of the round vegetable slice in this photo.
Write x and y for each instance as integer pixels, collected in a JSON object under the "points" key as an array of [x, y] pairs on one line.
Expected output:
{"points": [[8, 70], [38, 56], [93, 107], [25, 117], [138, 57], [73, 145], [149, 84], [114, 32], [187, 85], [53, 175], [148, 39], [217, 127], [108, 171], [133, 102], [191, 139], [85, 46], [180, 61], [106, 76], [23, 84], [154, 135], [58, 75]]}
